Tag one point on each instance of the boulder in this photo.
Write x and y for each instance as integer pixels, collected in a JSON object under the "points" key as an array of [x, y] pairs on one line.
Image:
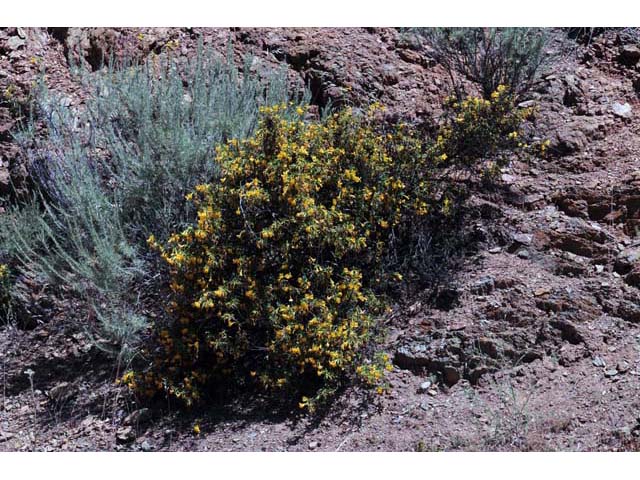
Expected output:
{"points": [[629, 55]]}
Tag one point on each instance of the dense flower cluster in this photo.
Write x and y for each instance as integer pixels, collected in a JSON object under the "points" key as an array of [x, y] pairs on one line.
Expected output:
{"points": [[274, 282], [481, 129]]}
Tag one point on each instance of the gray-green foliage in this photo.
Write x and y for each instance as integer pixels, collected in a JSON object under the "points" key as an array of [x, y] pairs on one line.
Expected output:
{"points": [[488, 56], [112, 172]]}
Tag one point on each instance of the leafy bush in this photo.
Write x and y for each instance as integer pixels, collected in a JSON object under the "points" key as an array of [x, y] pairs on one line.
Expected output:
{"points": [[489, 56], [276, 282], [119, 167]]}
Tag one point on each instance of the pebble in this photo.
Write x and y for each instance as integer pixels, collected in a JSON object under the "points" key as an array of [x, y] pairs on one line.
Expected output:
{"points": [[611, 373], [125, 435], [313, 445], [424, 386], [542, 291], [524, 254], [598, 362], [495, 250], [432, 392], [622, 110], [61, 392], [523, 238], [15, 43], [623, 367]]}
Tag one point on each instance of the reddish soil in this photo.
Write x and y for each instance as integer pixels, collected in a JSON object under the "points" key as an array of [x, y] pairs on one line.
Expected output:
{"points": [[533, 343]]}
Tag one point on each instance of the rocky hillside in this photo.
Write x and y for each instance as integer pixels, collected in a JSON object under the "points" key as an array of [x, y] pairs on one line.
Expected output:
{"points": [[532, 343]]}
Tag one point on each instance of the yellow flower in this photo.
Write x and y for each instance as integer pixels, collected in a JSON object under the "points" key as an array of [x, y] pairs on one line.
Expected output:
{"points": [[196, 429], [350, 174]]}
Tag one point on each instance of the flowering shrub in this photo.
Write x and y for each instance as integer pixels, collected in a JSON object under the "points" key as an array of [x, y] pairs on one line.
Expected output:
{"points": [[479, 129], [275, 282]]}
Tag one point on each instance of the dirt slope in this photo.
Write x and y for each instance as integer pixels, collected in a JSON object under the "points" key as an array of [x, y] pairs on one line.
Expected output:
{"points": [[536, 345]]}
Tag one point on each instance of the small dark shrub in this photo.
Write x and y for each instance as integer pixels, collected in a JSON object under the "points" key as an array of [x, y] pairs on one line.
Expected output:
{"points": [[490, 57]]}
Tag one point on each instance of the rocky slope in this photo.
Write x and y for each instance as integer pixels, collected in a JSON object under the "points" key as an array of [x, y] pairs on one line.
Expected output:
{"points": [[535, 341]]}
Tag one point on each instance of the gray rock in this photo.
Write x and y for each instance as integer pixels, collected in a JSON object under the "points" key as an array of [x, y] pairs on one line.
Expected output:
{"points": [[573, 92], [414, 355], [313, 445], [626, 259], [527, 104], [476, 374], [622, 110], [14, 43], [61, 392], [524, 254], [125, 435], [568, 139], [629, 55], [390, 74], [484, 285], [506, 178], [598, 362], [523, 238], [534, 200], [145, 446], [611, 373], [628, 310], [424, 386], [138, 417], [622, 432], [415, 308], [623, 367]]}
